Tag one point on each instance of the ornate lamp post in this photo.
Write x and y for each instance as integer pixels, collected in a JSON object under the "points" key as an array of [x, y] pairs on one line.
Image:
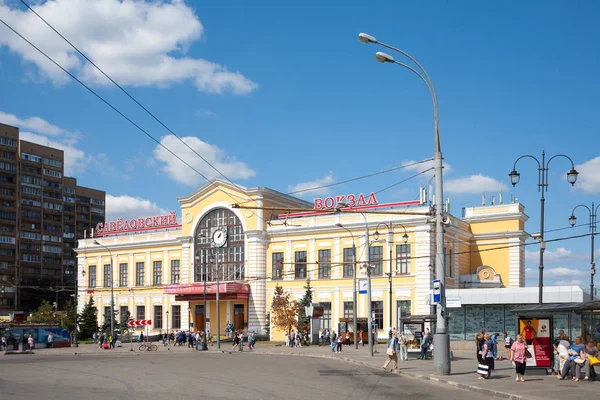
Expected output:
{"points": [[542, 187], [593, 214]]}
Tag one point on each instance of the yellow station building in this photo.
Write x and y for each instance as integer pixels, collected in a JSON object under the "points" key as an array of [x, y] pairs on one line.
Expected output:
{"points": [[169, 275]]}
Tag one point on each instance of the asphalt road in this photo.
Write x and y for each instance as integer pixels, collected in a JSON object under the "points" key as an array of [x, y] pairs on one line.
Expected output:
{"points": [[204, 375]]}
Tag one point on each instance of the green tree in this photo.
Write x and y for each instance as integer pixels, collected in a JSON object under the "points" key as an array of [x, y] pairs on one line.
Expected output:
{"points": [[67, 319], [306, 300], [88, 320], [283, 310], [45, 314]]}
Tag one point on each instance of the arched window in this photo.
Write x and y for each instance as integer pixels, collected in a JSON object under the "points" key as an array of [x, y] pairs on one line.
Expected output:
{"points": [[231, 256]]}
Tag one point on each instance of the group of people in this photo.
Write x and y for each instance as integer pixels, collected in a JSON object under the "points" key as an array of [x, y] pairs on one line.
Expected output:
{"points": [[101, 338], [575, 360], [238, 340], [297, 338], [487, 353], [398, 343]]}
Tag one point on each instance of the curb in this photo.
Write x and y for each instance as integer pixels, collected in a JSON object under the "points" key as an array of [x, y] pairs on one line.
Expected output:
{"points": [[470, 388]]}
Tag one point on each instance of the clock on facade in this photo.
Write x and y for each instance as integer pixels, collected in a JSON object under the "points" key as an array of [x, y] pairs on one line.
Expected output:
{"points": [[219, 237]]}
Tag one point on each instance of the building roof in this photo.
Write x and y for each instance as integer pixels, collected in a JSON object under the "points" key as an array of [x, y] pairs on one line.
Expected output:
{"points": [[558, 307]]}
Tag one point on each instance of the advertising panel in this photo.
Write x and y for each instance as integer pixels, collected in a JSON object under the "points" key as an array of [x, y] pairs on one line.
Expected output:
{"points": [[536, 333]]}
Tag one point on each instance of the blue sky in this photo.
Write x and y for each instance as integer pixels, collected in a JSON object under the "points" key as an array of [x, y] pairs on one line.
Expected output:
{"points": [[282, 95]]}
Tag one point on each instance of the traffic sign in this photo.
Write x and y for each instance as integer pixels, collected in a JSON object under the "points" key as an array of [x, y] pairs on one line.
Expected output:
{"points": [[140, 322], [362, 286]]}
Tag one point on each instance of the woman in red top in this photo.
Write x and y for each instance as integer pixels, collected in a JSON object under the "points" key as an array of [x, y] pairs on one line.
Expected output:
{"points": [[529, 333]]}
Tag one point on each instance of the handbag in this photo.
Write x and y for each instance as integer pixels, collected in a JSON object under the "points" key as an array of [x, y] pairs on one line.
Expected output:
{"points": [[483, 369], [390, 352], [528, 354]]}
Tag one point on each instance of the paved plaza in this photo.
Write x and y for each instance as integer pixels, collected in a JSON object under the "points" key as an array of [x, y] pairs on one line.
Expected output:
{"points": [[269, 372]]}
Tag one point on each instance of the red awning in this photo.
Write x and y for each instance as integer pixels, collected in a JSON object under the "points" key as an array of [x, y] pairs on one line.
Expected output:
{"points": [[195, 291]]}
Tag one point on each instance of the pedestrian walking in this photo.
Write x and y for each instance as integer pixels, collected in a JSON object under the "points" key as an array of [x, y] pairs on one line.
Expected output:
{"points": [[392, 352], [50, 340], [333, 341], [403, 347], [340, 342], [508, 342], [30, 342], [519, 357], [236, 341]]}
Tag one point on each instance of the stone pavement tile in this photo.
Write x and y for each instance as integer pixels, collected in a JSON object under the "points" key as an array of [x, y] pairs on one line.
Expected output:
{"points": [[502, 383]]}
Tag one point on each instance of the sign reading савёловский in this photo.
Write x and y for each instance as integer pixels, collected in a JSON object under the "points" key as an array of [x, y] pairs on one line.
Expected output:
{"points": [[137, 224]]}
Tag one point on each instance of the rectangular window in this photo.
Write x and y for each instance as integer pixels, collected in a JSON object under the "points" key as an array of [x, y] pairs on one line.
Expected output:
{"points": [[92, 276], [376, 259], [157, 317], [403, 259], [377, 310], [140, 312], [124, 314], [348, 263], [349, 309], [300, 265], [106, 314], [448, 263], [325, 263], [106, 275], [277, 266], [123, 274], [139, 274], [176, 317], [157, 272], [175, 271], [325, 320]]}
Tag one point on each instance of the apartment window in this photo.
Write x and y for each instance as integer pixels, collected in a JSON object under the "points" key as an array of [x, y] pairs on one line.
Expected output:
{"points": [[377, 310], [107, 278], [448, 262], [122, 274], [51, 172], [92, 276], [123, 314], [140, 312], [403, 259], [53, 163], [175, 271], [176, 317], [349, 309], [157, 272], [8, 142], [31, 157], [325, 263], [139, 274], [158, 317], [277, 266], [325, 320], [376, 259], [300, 265], [30, 190], [7, 239], [8, 166], [348, 262]]}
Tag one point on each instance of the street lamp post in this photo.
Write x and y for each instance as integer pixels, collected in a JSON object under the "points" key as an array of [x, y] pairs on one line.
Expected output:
{"points": [[593, 214], [441, 338], [542, 187], [390, 240], [112, 289], [354, 300], [168, 334]]}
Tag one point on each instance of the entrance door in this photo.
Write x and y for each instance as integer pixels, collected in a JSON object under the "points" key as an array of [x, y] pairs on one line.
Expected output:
{"points": [[200, 318], [238, 316]]}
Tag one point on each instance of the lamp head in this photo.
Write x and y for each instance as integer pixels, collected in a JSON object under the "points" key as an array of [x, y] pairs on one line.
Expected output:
{"points": [[572, 220], [405, 238], [572, 176], [366, 38], [376, 235], [514, 177], [383, 57]]}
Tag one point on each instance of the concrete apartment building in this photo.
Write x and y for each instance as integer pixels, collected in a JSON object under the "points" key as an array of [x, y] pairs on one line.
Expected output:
{"points": [[42, 215]]}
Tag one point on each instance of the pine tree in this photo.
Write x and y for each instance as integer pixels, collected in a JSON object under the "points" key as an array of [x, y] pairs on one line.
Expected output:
{"points": [[283, 310], [45, 314], [88, 320], [68, 319], [307, 300]]}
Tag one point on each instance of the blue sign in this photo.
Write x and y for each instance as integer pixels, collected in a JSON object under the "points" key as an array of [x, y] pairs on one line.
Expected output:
{"points": [[437, 291], [362, 286]]}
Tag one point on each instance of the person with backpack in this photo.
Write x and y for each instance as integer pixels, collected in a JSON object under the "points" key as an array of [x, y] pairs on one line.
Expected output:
{"points": [[333, 341]]}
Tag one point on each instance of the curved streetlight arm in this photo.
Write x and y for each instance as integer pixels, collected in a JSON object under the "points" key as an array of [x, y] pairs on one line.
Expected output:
{"points": [[560, 155], [527, 156]]}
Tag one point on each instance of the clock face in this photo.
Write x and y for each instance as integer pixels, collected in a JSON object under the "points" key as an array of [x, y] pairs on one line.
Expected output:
{"points": [[219, 237]]}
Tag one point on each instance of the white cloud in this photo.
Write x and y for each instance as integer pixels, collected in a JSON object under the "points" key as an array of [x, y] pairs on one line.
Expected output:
{"points": [[205, 113], [562, 272], [560, 254], [303, 187], [136, 42], [573, 282], [588, 179], [39, 125], [183, 174], [474, 184], [128, 207]]}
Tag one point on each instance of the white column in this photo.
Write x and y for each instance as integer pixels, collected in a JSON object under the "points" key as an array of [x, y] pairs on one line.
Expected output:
{"points": [[131, 272], [166, 272], [312, 267], [187, 267], [423, 252], [148, 271], [288, 269], [337, 260], [256, 265], [516, 263], [228, 311]]}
